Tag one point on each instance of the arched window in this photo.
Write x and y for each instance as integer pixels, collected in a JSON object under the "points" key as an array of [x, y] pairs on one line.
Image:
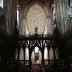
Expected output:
{"points": [[45, 53], [16, 54], [1, 3], [51, 53], [18, 18], [26, 54], [36, 18], [36, 49], [21, 57]]}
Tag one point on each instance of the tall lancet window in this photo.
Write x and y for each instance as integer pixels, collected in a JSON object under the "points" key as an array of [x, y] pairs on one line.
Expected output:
{"points": [[1, 3], [18, 16], [36, 49], [45, 53], [21, 57], [27, 31], [26, 54], [51, 53], [46, 27], [36, 18]]}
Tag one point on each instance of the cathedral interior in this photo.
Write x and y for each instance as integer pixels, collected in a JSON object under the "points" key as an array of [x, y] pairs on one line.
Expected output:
{"points": [[35, 33]]}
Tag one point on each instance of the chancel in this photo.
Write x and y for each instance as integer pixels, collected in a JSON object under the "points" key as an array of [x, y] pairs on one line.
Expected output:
{"points": [[35, 35]]}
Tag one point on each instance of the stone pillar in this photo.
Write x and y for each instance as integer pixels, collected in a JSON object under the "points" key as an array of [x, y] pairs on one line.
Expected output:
{"points": [[54, 53], [46, 27], [48, 56], [23, 25], [24, 51], [43, 55], [29, 56], [49, 21], [49, 26], [27, 53], [42, 50], [11, 9], [18, 54]]}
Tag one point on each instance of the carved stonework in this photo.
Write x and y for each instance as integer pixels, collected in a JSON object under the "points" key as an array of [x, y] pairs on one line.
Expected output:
{"points": [[69, 9]]}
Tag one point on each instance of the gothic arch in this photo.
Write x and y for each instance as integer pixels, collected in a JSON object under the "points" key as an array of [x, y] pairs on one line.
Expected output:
{"points": [[24, 15], [31, 4], [36, 17]]}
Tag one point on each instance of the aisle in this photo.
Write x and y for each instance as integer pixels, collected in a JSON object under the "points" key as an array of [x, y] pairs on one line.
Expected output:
{"points": [[38, 68]]}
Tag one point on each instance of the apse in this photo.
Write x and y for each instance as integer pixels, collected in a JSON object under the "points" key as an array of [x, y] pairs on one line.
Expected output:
{"points": [[36, 18]]}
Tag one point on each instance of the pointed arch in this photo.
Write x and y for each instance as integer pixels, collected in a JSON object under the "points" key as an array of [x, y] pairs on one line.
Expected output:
{"points": [[36, 18], [35, 2]]}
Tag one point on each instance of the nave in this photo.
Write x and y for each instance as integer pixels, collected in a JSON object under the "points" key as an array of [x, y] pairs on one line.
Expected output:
{"points": [[35, 35]]}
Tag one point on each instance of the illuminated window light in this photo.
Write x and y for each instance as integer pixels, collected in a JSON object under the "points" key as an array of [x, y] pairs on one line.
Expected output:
{"points": [[36, 49], [1, 3]]}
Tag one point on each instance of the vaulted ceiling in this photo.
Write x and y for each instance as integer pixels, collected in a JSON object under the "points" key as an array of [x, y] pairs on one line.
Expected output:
{"points": [[27, 2]]}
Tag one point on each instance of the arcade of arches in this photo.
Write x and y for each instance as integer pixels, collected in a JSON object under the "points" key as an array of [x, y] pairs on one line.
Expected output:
{"points": [[35, 35]]}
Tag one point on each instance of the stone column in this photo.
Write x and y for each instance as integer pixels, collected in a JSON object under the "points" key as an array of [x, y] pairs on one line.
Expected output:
{"points": [[57, 53], [49, 26], [30, 51], [18, 54], [11, 9], [23, 25], [49, 21], [54, 53], [48, 56]]}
